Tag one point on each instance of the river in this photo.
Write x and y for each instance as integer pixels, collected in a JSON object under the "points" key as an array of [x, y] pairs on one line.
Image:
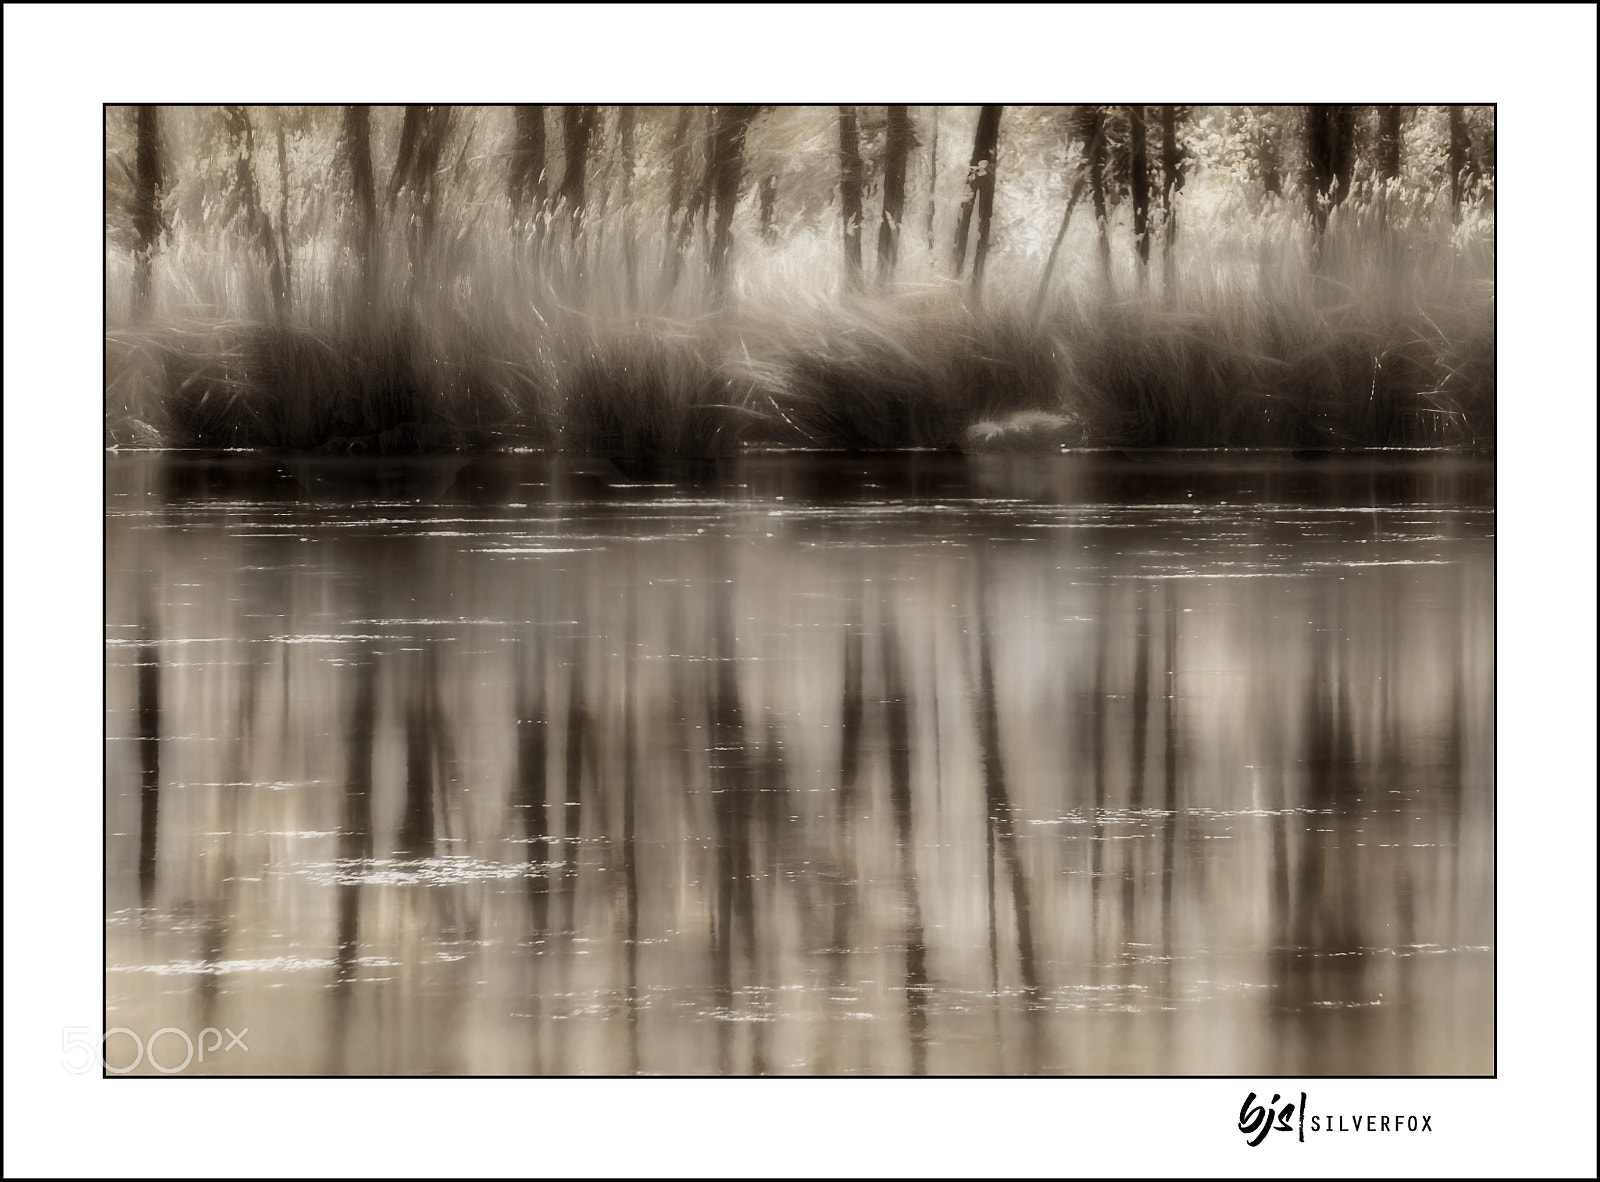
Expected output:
{"points": [[1091, 763]]}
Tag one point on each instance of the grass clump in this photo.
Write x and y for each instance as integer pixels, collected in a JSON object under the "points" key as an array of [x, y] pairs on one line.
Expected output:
{"points": [[1377, 331], [873, 375], [645, 390]]}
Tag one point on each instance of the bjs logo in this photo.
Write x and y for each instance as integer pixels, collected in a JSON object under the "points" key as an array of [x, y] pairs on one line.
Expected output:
{"points": [[1257, 1120]]}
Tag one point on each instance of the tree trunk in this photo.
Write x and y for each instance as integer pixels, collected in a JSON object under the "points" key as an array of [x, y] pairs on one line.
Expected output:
{"points": [[1061, 233], [727, 155], [1171, 182], [933, 172], [625, 124], [410, 134], [416, 167], [896, 148], [1080, 182], [527, 187], [850, 183], [982, 164], [247, 200], [146, 209], [679, 168], [988, 138], [1097, 187], [1269, 156], [358, 154], [678, 232], [1139, 184], [1330, 151], [577, 131], [1461, 172], [283, 218], [1388, 142]]}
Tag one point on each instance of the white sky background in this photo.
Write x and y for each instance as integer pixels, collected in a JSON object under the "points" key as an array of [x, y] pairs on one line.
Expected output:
{"points": [[62, 63]]}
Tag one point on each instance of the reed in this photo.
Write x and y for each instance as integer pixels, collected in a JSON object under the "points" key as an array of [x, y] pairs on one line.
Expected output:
{"points": [[1377, 332]]}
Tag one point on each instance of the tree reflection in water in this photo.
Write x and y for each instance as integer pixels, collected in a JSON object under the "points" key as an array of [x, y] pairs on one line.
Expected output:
{"points": [[1053, 767]]}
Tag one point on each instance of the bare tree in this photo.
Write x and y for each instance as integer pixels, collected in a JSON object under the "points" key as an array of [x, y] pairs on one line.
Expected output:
{"points": [[851, 175], [979, 171], [1330, 153], [283, 215], [897, 147], [577, 134], [1080, 181], [933, 170], [678, 231], [1462, 170], [1139, 187], [244, 200], [1096, 126], [416, 169], [1388, 142], [1267, 133], [527, 181], [625, 123], [1171, 183], [727, 167], [147, 190], [989, 135], [356, 149]]}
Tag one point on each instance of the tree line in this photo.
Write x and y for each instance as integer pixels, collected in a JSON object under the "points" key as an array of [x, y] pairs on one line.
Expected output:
{"points": [[1133, 155]]}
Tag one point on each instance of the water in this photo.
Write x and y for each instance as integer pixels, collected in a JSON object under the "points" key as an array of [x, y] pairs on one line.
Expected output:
{"points": [[925, 763]]}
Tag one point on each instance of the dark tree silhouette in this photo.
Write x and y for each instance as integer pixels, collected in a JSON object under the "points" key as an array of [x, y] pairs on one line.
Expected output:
{"points": [[416, 169], [1269, 149], [900, 138], [147, 224], [1171, 183], [625, 125], [356, 148], [678, 231], [577, 131], [1096, 126], [979, 189], [283, 216], [244, 200], [1079, 182], [527, 182], [851, 173], [1330, 153], [1462, 172], [1139, 186], [727, 167], [1388, 142], [933, 170]]}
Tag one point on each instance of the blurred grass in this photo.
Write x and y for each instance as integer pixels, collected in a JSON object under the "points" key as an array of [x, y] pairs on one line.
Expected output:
{"points": [[1380, 333]]}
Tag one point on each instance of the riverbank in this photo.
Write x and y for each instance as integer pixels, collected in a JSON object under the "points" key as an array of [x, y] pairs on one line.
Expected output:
{"points": [[860, 374]]}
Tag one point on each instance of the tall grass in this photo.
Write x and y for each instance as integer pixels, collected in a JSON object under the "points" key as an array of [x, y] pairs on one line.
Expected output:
{"points": [[1379, 332]]}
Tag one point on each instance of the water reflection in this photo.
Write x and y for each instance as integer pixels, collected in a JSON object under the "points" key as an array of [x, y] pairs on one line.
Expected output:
{"points": [[907, 765]]}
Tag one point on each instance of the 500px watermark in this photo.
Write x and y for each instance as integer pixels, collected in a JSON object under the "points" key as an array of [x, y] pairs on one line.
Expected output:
{"points": [[82, 1052]]}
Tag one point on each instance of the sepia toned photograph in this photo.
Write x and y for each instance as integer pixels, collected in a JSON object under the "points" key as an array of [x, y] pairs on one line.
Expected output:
{"points": [[932, 621], [800, 590]]}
